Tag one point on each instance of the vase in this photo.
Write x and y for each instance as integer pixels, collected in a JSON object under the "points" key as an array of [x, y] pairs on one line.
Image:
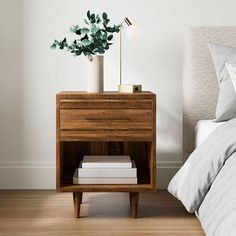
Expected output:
{"points": [[95, 74]]}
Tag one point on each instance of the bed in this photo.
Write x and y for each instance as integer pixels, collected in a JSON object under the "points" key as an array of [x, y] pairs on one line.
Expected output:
{"points": [[206, 184], [203, 129]]}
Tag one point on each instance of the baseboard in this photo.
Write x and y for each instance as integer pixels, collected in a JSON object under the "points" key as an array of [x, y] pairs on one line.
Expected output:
{"points": [[27, 175], [165, 171], [42, 174]]}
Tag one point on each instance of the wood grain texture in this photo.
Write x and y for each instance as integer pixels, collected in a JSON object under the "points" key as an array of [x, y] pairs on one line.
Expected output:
{"points": [[134, 196], [59, 146], [106, 135], [102, 103], [108, 123], [77, 200], [107, 188], [105, 119], [49, 213], [79, 124], [105, 95], [153, 154]]}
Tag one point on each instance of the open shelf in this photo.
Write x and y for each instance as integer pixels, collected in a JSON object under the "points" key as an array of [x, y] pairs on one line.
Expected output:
{"points": [[107, 123], [72, 153]]}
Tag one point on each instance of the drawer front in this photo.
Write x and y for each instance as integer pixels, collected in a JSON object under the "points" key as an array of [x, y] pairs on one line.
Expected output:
{"points": [[106, 135], [105, 104], [106, 119]]}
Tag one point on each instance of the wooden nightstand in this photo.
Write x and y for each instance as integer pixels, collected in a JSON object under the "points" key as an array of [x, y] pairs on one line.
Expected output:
{"points": [[107, 123]]}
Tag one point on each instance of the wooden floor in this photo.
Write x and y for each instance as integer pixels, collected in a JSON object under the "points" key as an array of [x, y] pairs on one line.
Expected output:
{"points": [[51, 213]]}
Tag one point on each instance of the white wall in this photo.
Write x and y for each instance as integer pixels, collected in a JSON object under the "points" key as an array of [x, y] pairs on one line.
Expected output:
{"points": [[31, 74]]}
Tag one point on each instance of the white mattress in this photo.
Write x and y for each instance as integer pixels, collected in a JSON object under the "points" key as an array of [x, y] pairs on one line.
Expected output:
{"points": [[203, 129]]}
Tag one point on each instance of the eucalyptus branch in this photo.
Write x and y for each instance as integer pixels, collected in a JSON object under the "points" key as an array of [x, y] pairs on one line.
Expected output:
{"points": [[94, 38]]}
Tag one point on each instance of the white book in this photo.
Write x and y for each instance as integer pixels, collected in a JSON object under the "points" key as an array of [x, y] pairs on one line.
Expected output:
{"points": [[108, 172], [78, 180], [106, 162]]}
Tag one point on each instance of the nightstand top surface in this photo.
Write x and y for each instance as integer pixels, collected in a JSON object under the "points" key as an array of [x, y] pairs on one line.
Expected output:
{"points": [[104, 95]]}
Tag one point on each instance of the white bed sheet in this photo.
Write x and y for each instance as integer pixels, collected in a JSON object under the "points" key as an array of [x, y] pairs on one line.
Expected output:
{"points": [[203, 129]]}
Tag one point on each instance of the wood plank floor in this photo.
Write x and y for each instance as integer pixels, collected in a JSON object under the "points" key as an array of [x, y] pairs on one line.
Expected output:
{"points": [[50, 213]]}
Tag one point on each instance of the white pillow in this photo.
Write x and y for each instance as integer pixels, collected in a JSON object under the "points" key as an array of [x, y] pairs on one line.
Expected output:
{"points": [[226, 104], [232, 73]]}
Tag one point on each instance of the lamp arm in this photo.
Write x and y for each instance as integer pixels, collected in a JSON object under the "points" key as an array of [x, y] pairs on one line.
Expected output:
{"points": [[128, 22], [120, 57]]}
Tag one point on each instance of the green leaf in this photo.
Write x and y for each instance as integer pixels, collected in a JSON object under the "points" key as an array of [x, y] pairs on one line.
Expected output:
{"points": [[110, 37], [74, 28], [84, 30], [116, 28], [91, 46], [95, 37], [86, 53], [94, 29], [78, 52], [95, 50], [98, 33], [88, 13], [101, 51], [98, 19], [104, 37], [92, 18], [71, 47], [109, 29], [104, 15], [85, 37], [78, 32], [85, 42], [53, 46], [106, 21]]}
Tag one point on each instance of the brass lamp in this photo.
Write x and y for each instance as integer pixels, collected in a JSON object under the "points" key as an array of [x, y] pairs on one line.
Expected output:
{"points": [[131, 32]]}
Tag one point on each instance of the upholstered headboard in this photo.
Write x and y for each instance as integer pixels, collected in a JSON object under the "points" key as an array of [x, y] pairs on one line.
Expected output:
{"points": [[200, 89]]}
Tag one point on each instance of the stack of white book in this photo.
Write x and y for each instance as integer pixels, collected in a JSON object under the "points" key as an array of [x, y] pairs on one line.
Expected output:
{"points": [[106, 170]]}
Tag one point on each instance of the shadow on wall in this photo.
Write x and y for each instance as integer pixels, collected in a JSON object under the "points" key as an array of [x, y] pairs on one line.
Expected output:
{"points": [[167, 169], [169, 139], [169, 131], [10, 79]]}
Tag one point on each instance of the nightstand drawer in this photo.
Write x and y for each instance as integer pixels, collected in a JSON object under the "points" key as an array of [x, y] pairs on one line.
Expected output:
{"points": [[108, 123], [106, 119], [105, 104]]}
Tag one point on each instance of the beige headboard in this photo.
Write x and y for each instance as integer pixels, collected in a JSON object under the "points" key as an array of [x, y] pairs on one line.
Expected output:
{"points": [[200, 89]]}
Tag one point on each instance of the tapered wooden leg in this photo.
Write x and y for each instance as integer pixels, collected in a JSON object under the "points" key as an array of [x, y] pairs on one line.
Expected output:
{"points": [[130, 199], [77, 198], [134, 204]]}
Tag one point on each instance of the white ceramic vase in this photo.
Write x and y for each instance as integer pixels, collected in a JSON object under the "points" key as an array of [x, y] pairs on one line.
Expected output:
{"points": [[95, 74]]}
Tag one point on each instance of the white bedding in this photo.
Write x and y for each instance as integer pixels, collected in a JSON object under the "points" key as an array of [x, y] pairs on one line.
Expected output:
{"points": [[206, 183], [203, 129]]}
